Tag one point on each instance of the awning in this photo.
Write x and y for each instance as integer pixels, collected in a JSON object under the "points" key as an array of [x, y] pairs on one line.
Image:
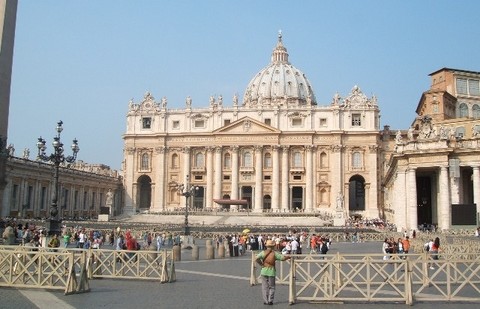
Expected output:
{"points": [[230, 202]]}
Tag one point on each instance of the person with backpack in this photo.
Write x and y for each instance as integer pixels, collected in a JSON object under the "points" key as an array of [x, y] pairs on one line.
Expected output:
{"points": [[267, 259]]}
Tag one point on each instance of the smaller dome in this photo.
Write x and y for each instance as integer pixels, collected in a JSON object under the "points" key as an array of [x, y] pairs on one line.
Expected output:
{"points": [[279, 83]]}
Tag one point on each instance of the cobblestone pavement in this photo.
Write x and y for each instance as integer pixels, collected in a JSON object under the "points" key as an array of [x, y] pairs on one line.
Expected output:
{"points": [[219, 283]]}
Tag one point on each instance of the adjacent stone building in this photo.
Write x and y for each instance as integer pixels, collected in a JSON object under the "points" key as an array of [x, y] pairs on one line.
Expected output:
{"points": [[432, 169], [83, 189]]}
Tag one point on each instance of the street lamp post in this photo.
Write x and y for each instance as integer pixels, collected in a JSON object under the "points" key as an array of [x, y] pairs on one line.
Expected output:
{"points": [[188, 191], [57, 158]]}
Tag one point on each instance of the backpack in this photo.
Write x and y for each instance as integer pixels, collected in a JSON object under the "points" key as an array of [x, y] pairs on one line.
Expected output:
{"points": [[324, 248], [426, 247]]}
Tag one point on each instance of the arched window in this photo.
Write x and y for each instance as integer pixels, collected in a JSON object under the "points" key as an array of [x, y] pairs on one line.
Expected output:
{"points": [[199, 160], [323, 160], [463, 110], [297, 159], [174, 160], [356, 159], [247, 159], [267, 160], [476, 111], [145, 161], [227, 161]]}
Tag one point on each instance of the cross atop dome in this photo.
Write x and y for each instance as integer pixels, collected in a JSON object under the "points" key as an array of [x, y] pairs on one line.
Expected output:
{"points": [[280, 54]]}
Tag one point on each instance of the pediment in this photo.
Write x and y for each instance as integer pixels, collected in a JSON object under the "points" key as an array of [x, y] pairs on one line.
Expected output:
{"points": [[247, 125]]}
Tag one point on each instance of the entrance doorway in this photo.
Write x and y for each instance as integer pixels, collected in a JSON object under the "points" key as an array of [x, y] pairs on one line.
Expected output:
{"points": [[144, 184], [297, 199], [356, 193], [247, 195]]}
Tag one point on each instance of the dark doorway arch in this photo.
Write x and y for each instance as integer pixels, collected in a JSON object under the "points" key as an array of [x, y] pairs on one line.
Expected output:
{"points": [[247, 195], [297, 199], [198, 198], [356, 194], [144, 185]]}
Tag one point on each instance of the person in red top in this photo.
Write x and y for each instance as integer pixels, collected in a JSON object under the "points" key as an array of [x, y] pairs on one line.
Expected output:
{"points": [[313, 244], [131, 244]]}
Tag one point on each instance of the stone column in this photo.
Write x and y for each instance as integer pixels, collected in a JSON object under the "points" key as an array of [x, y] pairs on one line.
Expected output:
{"points": [[285, 185], [159, 202], [275, 179], [444, 213], [258, 179], [476, 187], [186, 164], [130, 182], [210, 172], [337, 177], [412, 198], [309, 179], [217, 190], [400, 204], [234, 194]]}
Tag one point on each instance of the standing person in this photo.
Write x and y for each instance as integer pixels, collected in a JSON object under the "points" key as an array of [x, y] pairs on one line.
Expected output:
{"points": [[406, 245], [434, 249], [267, 259], [386, 249], [54, 242]]}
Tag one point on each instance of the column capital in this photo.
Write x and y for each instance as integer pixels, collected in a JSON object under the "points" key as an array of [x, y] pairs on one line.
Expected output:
{"points": [[258, 148], [234, 148], [218, 149], [186, 149], [310, 148], [161, 149], [130, 150], [337, 148], [285, 148]]}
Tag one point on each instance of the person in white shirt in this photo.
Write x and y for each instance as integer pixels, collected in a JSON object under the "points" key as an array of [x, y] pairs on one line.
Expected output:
{"points": [[294, 243]]}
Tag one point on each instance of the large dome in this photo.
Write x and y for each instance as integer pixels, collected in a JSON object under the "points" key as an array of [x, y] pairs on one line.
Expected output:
{"points": [[279, 83]]}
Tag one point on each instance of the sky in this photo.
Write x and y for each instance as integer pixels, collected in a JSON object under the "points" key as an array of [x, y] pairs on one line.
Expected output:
{"points": [[82, 61]]}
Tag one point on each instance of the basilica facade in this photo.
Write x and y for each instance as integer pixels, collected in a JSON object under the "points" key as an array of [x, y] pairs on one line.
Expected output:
{"points": [[274, 150]]}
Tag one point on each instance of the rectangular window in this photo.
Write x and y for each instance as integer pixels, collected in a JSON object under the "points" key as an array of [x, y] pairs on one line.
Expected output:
{"points": [[356, 120], [226, 122], [297, 177], [461, 86], [267, 177], [323, 122], [146, 122], [199, 177], [297, 122], [268, 121], [226, 177], [199, 123], [473, 87], [176, 124]]}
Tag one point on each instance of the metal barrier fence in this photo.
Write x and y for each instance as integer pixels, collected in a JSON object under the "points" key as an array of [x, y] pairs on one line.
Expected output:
{"points": [[70, 269], [42, 269], [370, 278]]}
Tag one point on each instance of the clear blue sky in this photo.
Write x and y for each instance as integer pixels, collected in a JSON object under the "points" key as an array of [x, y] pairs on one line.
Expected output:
{"points": [[82, 61]]}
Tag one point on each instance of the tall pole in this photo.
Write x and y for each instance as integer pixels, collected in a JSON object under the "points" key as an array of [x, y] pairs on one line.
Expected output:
{"points": [[57, 158]]}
